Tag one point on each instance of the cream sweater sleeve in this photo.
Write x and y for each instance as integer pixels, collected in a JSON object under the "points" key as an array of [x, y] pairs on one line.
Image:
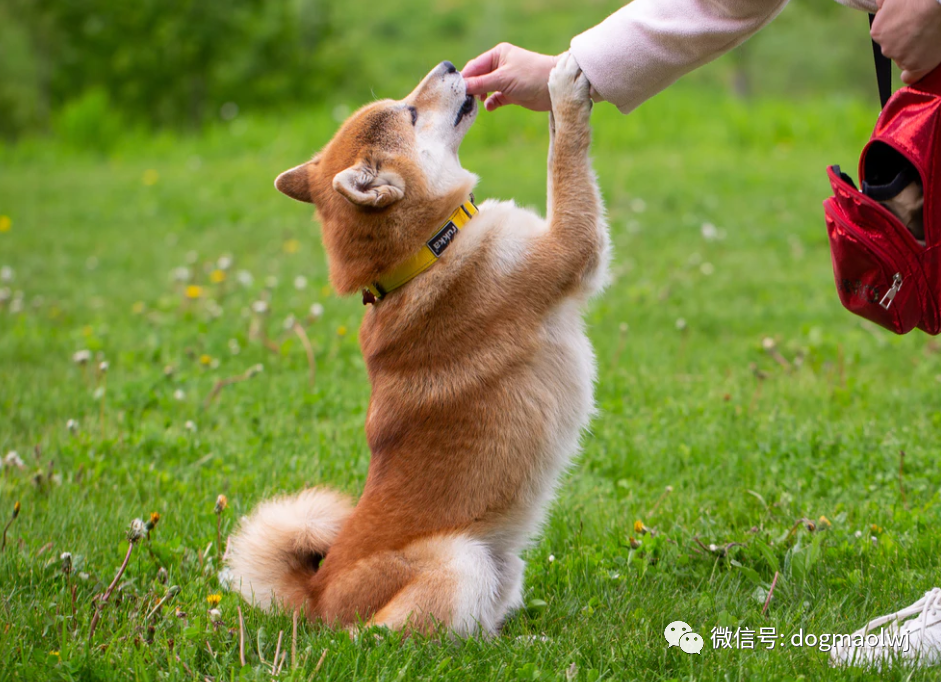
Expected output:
{"points": [[644, 47]]}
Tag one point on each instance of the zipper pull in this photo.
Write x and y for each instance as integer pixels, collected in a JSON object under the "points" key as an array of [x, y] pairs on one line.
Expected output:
{"points": [[886, 301]]}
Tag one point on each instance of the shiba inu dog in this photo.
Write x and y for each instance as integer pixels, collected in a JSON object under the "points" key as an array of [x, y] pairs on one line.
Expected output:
{"points": [[481, 373]]}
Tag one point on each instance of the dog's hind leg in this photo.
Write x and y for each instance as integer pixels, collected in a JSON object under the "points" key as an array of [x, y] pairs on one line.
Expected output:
{"points": [[454, 583]]}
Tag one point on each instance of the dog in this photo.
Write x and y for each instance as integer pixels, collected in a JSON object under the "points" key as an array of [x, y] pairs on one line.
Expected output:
{"points": [[482, 376]]}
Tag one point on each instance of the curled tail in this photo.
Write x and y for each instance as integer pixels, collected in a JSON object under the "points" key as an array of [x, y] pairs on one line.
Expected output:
{"points": [[280, 545]]}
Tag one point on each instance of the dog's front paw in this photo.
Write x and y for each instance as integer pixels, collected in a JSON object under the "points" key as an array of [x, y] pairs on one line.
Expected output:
{"points": [[569, 91]]}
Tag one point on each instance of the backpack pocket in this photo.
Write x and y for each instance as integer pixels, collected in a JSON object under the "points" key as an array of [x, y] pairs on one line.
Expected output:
{"points": [[872, 282]]}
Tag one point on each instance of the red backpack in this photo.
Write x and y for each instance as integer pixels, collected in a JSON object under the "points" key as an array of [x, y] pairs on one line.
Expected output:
{"points": [[882, 272]]}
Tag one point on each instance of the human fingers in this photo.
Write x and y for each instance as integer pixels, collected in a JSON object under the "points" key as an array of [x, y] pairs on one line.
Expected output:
{"points": [[495, 101], [489, 82], [486, 62]]}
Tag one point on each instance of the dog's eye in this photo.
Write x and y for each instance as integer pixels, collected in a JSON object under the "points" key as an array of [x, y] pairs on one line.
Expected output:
{"points": [[414, 112]]}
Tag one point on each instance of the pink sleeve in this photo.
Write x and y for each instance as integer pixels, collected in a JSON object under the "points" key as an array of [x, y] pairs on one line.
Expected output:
{"points": [[644, 47]]}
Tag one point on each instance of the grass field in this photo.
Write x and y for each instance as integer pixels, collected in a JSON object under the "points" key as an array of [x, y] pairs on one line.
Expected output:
{"points": [[702, 434]]}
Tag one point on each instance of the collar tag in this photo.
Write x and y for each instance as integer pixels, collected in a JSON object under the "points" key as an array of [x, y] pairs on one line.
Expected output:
{"points": [[443, 238]]}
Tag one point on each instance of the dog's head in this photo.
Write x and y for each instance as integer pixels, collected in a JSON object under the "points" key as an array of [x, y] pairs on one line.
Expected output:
{"points": [[388, 177]]}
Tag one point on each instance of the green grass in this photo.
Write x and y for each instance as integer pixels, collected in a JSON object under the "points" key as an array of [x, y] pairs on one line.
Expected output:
{"points": [[746, 458]]}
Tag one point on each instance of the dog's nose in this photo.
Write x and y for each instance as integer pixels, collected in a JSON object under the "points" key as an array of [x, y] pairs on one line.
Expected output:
{"points": [[449, 67]]}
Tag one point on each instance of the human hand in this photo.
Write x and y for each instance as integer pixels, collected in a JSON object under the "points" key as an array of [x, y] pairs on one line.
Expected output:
{"points": [[909, 33], [513, 75]]}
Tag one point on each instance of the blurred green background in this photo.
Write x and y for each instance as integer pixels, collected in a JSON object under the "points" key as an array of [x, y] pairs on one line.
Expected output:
{"points": [[89, 69]]}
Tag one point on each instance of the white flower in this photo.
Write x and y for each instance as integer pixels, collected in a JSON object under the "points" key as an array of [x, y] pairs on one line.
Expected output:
{"points": [[289, 322], [858, 534], [767, 343], [178, 394], [99, 393], [244, 278], [271, 281], [707, 269], [551, 558], [300, 282], [71, 425], [638, 205], [214, 363], [623, 327], [316, 311], [190, 425], [168, 371], [234, 347], [214, 309], [709, 232], [16, 306], [80, 357], [255, 369], [180, 274], [137, 530], [12, 459], [215, 615], [680, 324], [260, 307], [224, 262], [6, 274], [103, 366], [191, 257]]}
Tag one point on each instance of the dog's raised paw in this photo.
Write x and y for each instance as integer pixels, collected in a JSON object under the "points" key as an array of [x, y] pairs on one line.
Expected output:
{"points": [[569, 90]]}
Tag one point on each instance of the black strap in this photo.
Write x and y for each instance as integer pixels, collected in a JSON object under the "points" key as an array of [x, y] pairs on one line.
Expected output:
{"points": [[883, 69]]}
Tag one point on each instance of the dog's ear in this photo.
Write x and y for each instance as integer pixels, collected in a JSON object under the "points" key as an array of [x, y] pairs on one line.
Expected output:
{"points": [[366, 185], [296, 182]]}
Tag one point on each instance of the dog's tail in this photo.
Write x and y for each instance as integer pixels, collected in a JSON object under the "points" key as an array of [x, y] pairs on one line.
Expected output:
{"points": [[280, 545]]}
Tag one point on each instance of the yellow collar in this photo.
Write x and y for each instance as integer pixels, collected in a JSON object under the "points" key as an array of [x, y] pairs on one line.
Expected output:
{"points": [[425, 258]]}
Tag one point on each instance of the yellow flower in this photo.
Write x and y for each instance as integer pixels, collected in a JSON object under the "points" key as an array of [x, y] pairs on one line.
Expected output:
{"points": [[875, 528], [138, 308], [87, 330], [217, 276], [824, 522], [639, 527], [194, 291], [5, 223], [154, 520], [325, 292], [16, 509], [55, 653], [150, 177], [214, 599], [221, 503], [205, 359], [341, 330], [292, 246]]}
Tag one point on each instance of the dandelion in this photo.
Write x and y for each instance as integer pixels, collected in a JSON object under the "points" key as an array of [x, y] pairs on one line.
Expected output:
{"points": [[190, 425], [81, 357], [244, 277], [325, 291], [221, 503], [300, 282], [823, 523], [179, 395], [136, 531], [6, 274], [634, 542], [875, 529], [138, 308], [152, 521], [180, 274], [680, 324], [194, 291], [341, 330], [767, 343], [638, 205], [215, 615], [5, 223], [316, 311], [214, 309], [254, 370], [260, 307], [214, 599], [66, 562], [162, 576], [858, 534], [292, 246], [150, 178], [709, 232], [99, 393], [707, 269], [551, 558], [168, 371], [205, 359], [12, 459], [103, 366], [71, 425], [640, 528], [217, 276], [271, 281], [224, 262], [234, 347], [191, 257], [289, 322]]}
